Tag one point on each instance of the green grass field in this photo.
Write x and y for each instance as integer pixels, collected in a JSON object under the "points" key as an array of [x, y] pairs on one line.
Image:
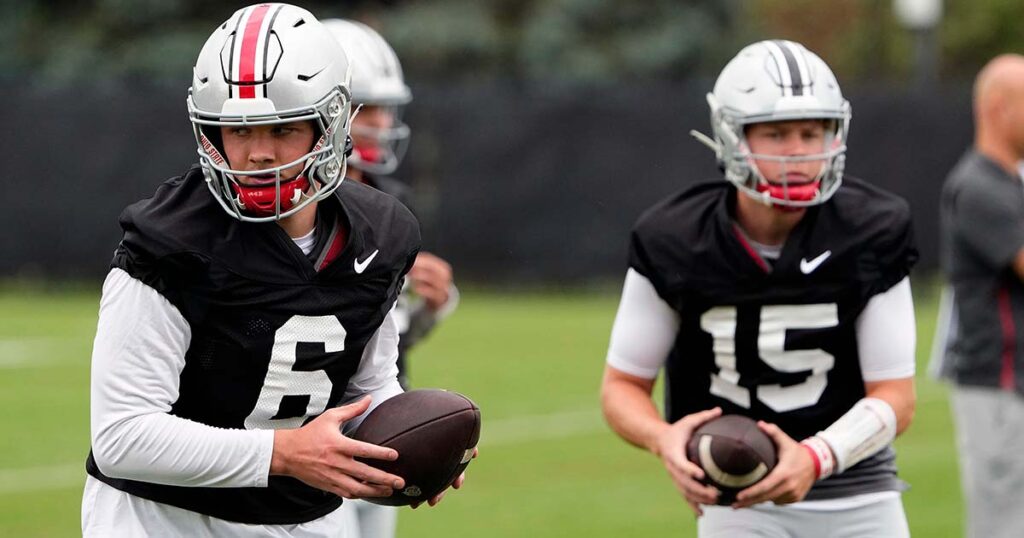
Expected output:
{"points": [[549, 467]]}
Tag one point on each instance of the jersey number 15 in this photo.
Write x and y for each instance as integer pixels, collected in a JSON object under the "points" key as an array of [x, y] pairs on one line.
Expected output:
{"points": [[720, 323]]}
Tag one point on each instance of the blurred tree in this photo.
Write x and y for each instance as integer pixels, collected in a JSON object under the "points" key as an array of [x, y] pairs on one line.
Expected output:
{"points": [[860, 39], [447, 38], [560, 39], [63, 41], [584, 40], [974, 31], [609, 39], [66, 41]]}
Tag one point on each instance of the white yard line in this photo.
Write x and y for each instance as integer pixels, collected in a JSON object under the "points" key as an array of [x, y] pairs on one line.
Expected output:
{"points": [[25, 353], [541, 427], [37, 353], [42, 478]]}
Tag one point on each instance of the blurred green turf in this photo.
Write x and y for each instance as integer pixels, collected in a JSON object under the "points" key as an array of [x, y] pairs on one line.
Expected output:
{"points": [[533, 362]]}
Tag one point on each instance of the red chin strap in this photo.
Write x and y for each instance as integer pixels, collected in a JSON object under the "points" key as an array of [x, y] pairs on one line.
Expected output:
{"points": [[261, 200], [369, 154], [803, 192]]}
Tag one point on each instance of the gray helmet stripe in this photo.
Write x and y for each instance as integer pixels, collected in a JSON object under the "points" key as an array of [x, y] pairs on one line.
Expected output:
{"points": [[794, 69], [785, 75], [800, 53]]}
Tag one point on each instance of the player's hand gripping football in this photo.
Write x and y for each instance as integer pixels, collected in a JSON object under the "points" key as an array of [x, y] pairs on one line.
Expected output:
{"points": [[431, 278], [455, 485], [671, 447], [791, 478], [319, 455]]}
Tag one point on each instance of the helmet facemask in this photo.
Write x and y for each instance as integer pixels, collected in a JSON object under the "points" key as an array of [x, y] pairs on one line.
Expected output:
{"points": [[377, 82], [267, 65], [379, 150], [268, 199]]}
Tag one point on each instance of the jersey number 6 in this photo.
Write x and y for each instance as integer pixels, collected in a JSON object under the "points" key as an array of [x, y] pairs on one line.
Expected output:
{"points": [[720, 323], [283, 381]]}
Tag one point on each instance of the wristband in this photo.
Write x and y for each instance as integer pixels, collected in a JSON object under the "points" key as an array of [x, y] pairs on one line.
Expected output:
{"points": [[824, 462]]}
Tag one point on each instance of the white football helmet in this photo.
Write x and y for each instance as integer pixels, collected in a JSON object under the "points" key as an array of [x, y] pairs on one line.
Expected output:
{"points": [[377, 80], [271, 64], [777, 81]]}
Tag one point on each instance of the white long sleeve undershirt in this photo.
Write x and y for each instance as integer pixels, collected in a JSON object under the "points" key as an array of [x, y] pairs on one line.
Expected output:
{"points": [[138, 356]]}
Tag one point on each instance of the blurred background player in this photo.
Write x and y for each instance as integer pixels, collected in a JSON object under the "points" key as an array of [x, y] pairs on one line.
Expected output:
{"points": [[380, 139], [781, 294], [983, 257], [247, 314]]}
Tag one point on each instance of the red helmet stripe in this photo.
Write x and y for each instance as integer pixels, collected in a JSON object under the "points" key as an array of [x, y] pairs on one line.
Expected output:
{"points": [[247, 63]]}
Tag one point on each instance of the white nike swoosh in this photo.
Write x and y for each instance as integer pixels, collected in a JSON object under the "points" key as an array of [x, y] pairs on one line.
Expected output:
{"points": [[808, 267], [360, 266]]}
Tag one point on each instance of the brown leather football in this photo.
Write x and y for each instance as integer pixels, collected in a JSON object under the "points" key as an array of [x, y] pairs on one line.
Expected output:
{"points": [[733, 452], [434, 432]]}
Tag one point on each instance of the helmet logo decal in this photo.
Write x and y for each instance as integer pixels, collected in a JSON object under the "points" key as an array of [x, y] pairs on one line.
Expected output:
{"points": [[211, 150]]}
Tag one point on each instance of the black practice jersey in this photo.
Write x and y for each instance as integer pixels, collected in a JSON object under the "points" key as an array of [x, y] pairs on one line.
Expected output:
{"points": [[775, 341], [274, 340]]}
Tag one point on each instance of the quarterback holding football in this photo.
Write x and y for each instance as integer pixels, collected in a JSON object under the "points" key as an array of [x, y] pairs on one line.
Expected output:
{"points": [[782, 294], [248, 315]]}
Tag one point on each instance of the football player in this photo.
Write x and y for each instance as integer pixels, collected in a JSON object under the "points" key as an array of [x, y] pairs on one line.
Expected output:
{"points": [[380, 139], [247, 316], [781, 294]]}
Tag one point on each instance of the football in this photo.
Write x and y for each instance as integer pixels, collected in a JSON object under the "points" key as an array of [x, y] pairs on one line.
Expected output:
{"points": [[733, 452], [434, 431]]}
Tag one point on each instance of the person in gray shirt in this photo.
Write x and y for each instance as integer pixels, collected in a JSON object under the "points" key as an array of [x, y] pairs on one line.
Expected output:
{"points": [[982, 216]]}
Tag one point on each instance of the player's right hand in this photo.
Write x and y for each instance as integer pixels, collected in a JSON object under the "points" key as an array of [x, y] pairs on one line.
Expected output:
{"points": [[321, 456], [671, 447], [791, 478]]}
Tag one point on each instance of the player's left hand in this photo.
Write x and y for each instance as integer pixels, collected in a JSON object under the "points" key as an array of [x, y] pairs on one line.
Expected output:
{"points": [[431, 278], [791, 478], [455, 485]]}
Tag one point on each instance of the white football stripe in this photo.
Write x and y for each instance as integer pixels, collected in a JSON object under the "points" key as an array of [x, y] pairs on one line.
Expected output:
{"points": [[722, 477]]}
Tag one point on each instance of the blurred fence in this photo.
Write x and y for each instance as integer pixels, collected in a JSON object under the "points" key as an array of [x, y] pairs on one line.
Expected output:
{"points": [[514, 183]]}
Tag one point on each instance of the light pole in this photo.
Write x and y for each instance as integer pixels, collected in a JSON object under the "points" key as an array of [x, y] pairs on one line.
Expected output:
{"points": [[922, 17]]}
